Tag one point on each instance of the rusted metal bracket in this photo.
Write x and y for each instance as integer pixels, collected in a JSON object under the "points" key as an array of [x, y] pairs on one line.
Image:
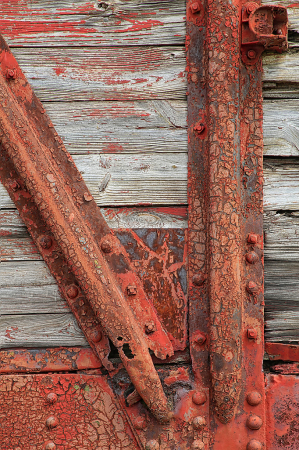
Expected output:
{"points": [[90, 265], [263, 28]]}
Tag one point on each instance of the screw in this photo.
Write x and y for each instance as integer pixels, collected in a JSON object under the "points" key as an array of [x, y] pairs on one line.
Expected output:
{"points": [[199, 422], [150, 327], [152, 445], [96, 335], [197, 445], [200, 127], [252, 238], [46, 242], [251, 54], [254, 445], [254, 398], [132, 290], [195, 7], [140, 423], [251, 287], [51, 398], [254, 422], [11, 74], [14, 185], [52, 422], [199, 398], [252, 333], [106, 246], [198, 279], [72, 291], [200, 338], [50, 445], [252, 257]]}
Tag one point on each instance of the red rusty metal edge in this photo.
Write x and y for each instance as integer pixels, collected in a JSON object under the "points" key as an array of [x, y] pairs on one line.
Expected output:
{"points": [[284, 352]]}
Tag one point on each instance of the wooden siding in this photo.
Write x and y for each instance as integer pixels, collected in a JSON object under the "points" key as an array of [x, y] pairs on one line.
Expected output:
{"points": [[113, 82]]}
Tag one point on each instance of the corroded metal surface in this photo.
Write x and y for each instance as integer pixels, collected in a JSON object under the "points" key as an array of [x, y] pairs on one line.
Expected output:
{"points": [[282, 352]]}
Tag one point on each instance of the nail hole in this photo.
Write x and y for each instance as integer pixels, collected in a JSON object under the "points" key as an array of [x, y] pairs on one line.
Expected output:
{"points": [[103, 6]]}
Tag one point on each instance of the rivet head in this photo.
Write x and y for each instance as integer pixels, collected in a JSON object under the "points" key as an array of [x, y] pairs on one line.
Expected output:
{"points": [[252, 257], [72, 291], [96, 335], [252, 333], [254, 422], [50, 445], [131, 290], [199, 422], [52, 422], [51, 398], [46, 242], [252, 287], [252, 238], [254, 398], [199, 398], [195, 7], [251, 54], [152, 445], [106, 246], [140, 423], [250, 8], [150, 327], [200, 128], [197, 445], [254, 445], [198, 279]]}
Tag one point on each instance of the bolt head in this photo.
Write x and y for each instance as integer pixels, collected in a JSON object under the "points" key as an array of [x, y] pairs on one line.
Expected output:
{"points": [[197, 445], [50, 445], [200, 127], [252, 238], [52, 422], [14, 185], [132, 290], [251, 287], [199, 398], [252, 257], [252, 333], [250, 8], [11, 74], [87, 197], [251, 54], [96, 335], [200, 338], [254, 398], [51, 398], [199, 422], [140, 423], [152, 445], [46, 242], [254, 445], [198, 279], [106, 246], [195, 7], [254, 422], [150, 327], [72, 291]]}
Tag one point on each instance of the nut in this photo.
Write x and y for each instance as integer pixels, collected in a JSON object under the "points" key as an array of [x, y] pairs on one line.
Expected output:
{"points": [[200, 127], [252, 238], [251, 54], [251, 333], [254, 422], [199, 422], [14, 185], [132, 290], [11, 74], [200, 338], [52, 422], [195, 7], [72, 291], [150, 327], [51, 398], [199, 398], [254, 398]]}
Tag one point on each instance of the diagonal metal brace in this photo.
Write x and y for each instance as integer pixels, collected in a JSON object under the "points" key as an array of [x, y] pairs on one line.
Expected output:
{"points": [[42, 179]]}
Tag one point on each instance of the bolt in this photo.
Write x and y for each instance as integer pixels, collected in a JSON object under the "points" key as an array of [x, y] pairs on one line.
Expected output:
{"points": [[252, 238], [96, 335], [140, 423], [250, 8], [254, 422], [150, 327], [200, 338], [252, 257], [198, 279], [199, 422], [199, 398], [87, 196], [197, 445], [200, 127], [106, 246], [72, 291], [131, 290], [195, 7], [152, 445], [254, 398], [52, 422], [50, 445], [251, 54], [254, 445], [46, 242], [251, 333], [251, 287], [14, 185], [51, 398], [11, 74]]}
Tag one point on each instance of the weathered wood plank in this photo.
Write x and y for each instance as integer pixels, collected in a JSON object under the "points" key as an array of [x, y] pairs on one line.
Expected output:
{"points": [[88, 73], [281, 188], [282, 237], [49, 23]]}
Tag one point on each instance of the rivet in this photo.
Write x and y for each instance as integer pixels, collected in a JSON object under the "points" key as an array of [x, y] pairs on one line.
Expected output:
{"points": [[252, 238], [251, 333], [72, 291], [11, 74], [251, 287], [195, 7], [200, 127], [140, 423], [199, 422], [87, 196], [51, 397], [52, 422], [46, 242], [150, 327], [50, 445], [254, 422], [96, 335], [131, 290], [254, 445], [200, 338], [199, 398], [250, 8], [14, 185], [106, 246], [254, 398], [198, 279], [251, 54], [197, 445], [152, 445], [252, 257]]}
